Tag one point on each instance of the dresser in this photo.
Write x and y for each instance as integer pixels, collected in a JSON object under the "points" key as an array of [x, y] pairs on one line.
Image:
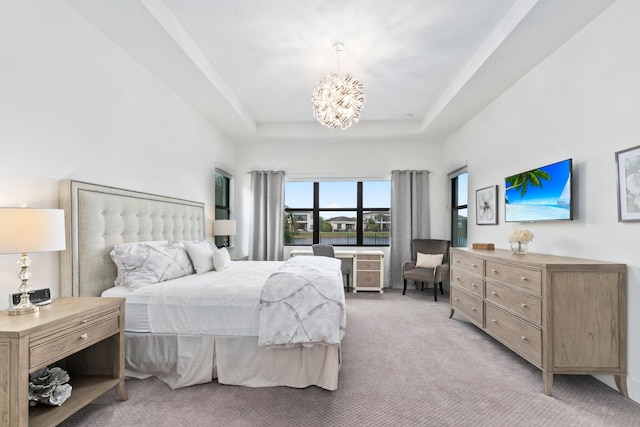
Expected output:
{"points": [[564, 315], [84, 336], [368, 271]]}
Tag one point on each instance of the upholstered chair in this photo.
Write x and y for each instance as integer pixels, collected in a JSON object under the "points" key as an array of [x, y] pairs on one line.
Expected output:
{"points": [[426, 265], [327, 250]]}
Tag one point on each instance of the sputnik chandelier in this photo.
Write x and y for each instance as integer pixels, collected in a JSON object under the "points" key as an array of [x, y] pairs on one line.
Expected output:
{"points": [[337, 101]]}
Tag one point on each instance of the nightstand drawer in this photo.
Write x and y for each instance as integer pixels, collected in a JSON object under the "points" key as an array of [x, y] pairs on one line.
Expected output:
{"points": [[368, 279], [368, 265], [53, 344]]}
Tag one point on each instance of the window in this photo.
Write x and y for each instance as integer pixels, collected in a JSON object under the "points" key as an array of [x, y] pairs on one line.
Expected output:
{"points": [[340, 213], [459, 209], [223, 200]]}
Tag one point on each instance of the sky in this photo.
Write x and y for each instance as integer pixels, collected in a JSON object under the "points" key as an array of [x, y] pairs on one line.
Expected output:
{"points": [[338, 194]]}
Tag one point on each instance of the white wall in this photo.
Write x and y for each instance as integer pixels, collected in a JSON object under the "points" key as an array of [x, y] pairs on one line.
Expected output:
{"points": [[339, 161], [581, 102], [74, 105]]}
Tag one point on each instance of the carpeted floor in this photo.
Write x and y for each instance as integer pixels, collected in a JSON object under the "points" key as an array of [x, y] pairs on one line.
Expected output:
{"points": [[405, 363]]}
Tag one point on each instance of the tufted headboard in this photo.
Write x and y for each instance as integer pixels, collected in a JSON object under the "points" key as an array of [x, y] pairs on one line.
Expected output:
{"points": [[99, 217]]}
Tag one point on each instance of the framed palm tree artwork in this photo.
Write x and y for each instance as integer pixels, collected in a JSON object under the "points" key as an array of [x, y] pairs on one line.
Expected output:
{"points": [[628, 162], [487, 206]]}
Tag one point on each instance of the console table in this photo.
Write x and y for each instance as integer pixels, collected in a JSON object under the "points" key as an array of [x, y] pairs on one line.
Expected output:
{"points": [[84, 336], [368, 267], [564, 315]]}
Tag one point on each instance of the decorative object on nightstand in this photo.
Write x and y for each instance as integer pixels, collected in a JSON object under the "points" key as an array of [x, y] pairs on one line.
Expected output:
{"points": [[25, 230], [225, 228], [519, 240]]}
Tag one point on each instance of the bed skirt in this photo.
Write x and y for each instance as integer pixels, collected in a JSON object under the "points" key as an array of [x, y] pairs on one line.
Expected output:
{"points": [[184, 360]]}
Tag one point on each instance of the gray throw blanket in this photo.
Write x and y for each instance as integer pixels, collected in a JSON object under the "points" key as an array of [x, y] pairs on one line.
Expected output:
{"points": [[303, 304]]}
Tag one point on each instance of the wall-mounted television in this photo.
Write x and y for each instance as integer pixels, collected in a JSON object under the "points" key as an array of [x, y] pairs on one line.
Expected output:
{"points": [[541, 194]]}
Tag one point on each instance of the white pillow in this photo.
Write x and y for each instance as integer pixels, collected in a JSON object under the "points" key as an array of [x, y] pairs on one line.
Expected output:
{"points": [[428, 260], [145, 263], [201, 254], [221, 259]]}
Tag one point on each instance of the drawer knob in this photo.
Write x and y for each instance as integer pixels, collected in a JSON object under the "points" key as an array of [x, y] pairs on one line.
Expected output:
{"points": [[474, 285], [523, 279], [493, 270], [523, 305], [458, 261], [84, 321], [494, 293], [473, 308], [523, 338], [494, 320], [456, 298], [84, 336], [474, 265]]}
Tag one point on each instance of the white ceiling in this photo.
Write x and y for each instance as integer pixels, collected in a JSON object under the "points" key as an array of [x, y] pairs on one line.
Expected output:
{"points": [[427, 66]]}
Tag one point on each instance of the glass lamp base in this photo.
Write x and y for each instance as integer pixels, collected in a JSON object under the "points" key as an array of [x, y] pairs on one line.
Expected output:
{"points": [[23, 310], [24, 307]]}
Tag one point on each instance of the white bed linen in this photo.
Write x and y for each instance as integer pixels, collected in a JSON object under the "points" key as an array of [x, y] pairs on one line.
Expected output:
{"points": [[217, 303], [136, 318]]}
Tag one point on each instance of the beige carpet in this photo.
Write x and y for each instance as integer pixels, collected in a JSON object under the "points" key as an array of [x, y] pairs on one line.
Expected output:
{"points": [[405, 364]]}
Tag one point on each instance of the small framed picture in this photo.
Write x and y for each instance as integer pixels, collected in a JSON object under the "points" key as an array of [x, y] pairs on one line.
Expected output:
{"points": [[628, 165], [487, 205]]}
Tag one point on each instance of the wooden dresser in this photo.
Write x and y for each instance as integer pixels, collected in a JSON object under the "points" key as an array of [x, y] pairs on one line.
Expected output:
{"points": [[84, 336], [368, 271], [564, 315]]}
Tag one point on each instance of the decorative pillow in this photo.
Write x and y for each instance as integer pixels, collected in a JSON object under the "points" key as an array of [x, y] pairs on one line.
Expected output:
{"points": [[428, 260], [145, 263], [201, 254], [221, 259]]}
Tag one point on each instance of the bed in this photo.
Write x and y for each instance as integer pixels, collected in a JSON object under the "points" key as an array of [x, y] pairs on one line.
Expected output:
{"points": [[195, 349]]}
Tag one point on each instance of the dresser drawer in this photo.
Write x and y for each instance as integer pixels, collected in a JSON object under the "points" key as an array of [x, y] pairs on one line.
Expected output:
{"points": [[469, 305], [368, 257], [53, 345], [368, 265], [530, 280], [368, 279], [517, 334], [527, 306], [468, 281], [467, 262]]}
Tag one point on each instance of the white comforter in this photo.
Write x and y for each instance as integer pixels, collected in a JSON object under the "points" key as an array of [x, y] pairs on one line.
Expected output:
{"points": [[217, 303], [303, 304]]}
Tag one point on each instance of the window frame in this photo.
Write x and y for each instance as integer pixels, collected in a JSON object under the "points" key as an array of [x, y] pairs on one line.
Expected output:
{"points": [[359, 209], [226, 207], [456, 207]]}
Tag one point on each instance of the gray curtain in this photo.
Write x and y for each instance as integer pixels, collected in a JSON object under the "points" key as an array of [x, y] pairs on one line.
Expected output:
{"points": [[266, 242], [410, 218]]}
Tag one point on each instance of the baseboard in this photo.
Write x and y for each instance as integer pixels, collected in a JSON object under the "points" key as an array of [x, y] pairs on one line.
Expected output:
{"points": [[633, 386]]}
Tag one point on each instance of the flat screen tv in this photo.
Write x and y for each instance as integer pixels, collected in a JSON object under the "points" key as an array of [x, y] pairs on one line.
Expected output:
{"points": [[542, 194]]}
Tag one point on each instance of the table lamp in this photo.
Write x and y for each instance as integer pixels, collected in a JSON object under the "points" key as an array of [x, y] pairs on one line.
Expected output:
{"points": [[25, 230], [224, 227]]}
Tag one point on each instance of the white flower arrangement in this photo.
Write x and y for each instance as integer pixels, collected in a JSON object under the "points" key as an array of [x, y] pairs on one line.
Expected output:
{"points": [[520, 236]]}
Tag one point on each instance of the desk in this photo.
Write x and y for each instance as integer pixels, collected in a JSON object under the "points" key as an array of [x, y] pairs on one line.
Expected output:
{"points": [[368, 267]]}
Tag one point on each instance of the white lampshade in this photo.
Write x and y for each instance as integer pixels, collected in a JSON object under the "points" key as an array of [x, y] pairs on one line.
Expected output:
{"points": [[25, 230], [224, 227]]}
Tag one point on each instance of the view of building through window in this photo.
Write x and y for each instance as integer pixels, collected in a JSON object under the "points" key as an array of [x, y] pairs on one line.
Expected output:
{"points": [[348, 213], [459, 214]]}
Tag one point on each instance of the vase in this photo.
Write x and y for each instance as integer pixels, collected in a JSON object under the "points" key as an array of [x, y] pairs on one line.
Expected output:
{"points": [[519, 248]]}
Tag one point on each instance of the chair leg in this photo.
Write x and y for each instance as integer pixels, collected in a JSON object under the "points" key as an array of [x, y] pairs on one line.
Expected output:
{"points": [[422, 286], [441, 291], [348, 285], [404, 290], [435, 291]]}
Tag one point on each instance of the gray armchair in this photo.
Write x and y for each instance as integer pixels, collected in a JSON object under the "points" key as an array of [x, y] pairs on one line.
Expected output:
{"points": [[427, 275], [327, 250]]}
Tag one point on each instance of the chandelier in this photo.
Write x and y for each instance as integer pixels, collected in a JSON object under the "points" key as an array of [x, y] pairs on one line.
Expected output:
{"points": [[337, 101]]}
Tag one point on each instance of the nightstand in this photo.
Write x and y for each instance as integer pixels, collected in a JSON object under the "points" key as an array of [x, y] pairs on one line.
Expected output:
{"points": [[84, 336]]}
